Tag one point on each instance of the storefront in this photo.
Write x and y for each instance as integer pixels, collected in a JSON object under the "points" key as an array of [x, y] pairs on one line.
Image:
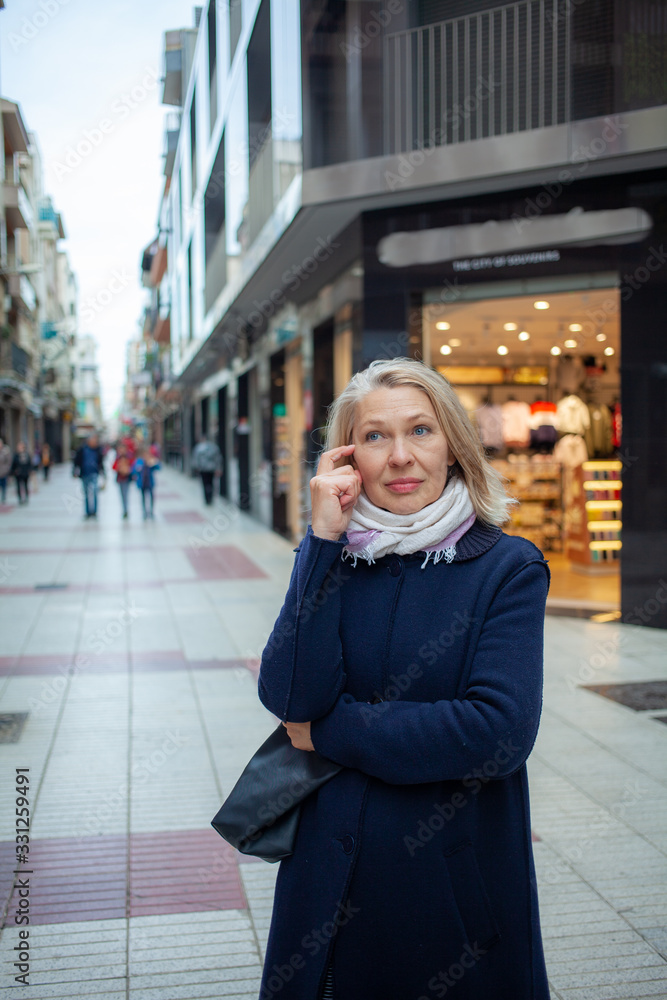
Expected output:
{"points": [[545, 309], [539, 375]]}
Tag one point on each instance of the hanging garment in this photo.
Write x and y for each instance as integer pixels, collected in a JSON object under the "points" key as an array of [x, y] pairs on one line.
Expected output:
{"points": [[617, 425], [598, 437], [490, 425], [543, 423], [571, 451], [573, 415], [516, 424]]}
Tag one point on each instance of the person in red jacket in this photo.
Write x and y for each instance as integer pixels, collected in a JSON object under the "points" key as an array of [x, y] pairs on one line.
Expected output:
{"points": [[122, 466]]}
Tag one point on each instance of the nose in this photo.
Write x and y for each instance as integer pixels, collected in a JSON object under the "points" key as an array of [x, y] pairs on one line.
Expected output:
{"points": [[400, 453]]}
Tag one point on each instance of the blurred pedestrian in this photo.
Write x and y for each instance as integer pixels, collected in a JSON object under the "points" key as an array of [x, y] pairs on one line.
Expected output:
{"points": [[122, 466], [46, 460], [5, 469], [144, 468], [207, 461], [89, 466], [21, 469]]}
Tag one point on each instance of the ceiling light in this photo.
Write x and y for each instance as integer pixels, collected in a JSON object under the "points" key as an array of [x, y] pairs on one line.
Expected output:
{"points": [[609, 351], [503, 350], [601, 337], [575, 328], [556, 351], [524, 335], [570, 343], [445, 349], [541, 304], [509, 326], [442, 325], [455, 342]]}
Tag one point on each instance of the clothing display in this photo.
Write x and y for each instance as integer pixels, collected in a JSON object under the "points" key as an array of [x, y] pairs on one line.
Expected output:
{"points": [[598, 436], [543, 424], [571, 451], [516, 424], [617, 425], [489, 421], [573, 415]]}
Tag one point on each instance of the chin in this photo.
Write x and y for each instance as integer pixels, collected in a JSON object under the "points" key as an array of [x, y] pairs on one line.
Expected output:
{"points": [[403, 505]]}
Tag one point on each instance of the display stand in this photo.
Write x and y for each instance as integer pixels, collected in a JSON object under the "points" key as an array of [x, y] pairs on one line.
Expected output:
{"points": [[592, 523], [538, 487]]}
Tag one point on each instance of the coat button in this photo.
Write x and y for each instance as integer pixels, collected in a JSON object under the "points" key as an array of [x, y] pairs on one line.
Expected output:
{"points": [[347, 843], [395, 566]]}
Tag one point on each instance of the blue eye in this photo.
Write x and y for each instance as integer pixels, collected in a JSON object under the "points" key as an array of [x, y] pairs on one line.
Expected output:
{"points": [[421, 428], [373, 436]]}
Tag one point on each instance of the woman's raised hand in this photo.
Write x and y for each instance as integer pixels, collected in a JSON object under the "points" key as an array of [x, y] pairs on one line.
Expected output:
{"points": [[334, 493]]}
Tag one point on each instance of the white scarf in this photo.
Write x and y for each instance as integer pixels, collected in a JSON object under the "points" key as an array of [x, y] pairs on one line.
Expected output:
{"points": [[435, 529]]}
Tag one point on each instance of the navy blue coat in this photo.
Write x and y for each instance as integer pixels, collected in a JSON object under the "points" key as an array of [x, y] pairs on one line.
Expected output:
{"points": [[413, 869]]}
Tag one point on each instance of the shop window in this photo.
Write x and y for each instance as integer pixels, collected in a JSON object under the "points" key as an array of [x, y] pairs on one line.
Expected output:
{"points": [[235, 24], [193, 143], [214, 229], [213, 63], [259, 83]]}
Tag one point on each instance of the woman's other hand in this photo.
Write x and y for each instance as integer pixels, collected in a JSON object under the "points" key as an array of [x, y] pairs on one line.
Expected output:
{"points": [[334, 493], [299, 734]]}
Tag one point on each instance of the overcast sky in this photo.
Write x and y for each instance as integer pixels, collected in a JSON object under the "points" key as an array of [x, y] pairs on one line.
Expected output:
{"points": [[72, 65]]}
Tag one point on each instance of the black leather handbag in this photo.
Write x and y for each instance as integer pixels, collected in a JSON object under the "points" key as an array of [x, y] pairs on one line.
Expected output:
{"points": [[260, 816]]}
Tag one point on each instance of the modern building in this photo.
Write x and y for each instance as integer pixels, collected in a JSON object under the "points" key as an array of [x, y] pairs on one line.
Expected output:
{"points": [[478, 185]]}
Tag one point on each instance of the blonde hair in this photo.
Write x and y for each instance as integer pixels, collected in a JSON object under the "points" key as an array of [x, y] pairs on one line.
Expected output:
{"points": [[487, 493]]}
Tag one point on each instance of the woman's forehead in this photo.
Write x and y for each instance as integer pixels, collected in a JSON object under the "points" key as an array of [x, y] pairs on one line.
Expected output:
{"points": [[395, 402]]}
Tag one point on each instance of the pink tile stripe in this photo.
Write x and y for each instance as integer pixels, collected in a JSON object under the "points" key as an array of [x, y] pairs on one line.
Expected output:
{"points": [[223, 562], [107, 877], [112, 663]]}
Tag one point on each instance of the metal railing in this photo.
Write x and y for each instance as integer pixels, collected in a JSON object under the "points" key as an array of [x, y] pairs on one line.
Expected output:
{"points": [[496, 72]]}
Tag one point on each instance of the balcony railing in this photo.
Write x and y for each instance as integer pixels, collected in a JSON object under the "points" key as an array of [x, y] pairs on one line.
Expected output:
{"points": [[14, 362], [496, 72]]}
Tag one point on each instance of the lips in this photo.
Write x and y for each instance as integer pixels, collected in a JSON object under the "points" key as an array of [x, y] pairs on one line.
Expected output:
{"points": [[403, 485]]}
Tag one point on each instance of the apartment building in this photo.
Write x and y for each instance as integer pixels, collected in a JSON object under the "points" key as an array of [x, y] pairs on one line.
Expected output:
{"points": [[19, 332], [39, 304], [478, 185]]}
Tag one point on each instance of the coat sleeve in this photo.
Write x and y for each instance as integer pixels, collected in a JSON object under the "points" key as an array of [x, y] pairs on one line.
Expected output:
{"points": [[491, 729], [301, 673]]}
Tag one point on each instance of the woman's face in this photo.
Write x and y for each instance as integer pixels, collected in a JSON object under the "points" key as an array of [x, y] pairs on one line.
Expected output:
{"points": [[400, 450]]}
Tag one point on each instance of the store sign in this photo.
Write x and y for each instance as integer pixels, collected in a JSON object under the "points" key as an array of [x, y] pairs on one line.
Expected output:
{"points": [[473, 374], [507, 260]]}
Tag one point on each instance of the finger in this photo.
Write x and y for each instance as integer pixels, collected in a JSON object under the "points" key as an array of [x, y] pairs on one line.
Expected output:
{"points": [[328, 459]]}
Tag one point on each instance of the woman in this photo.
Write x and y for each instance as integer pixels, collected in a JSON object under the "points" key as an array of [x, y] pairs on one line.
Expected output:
{"points": [[409, 650]]}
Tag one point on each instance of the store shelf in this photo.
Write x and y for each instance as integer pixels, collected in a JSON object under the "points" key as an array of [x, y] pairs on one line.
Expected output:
{"points": [[592, 520], [537, 485]]}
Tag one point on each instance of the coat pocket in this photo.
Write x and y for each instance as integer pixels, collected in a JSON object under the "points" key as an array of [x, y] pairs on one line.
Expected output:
{"points": [[471, 895]]}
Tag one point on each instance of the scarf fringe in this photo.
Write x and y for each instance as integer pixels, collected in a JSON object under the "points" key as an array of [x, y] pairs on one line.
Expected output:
{"points": [[448, 554], [366, 554]]}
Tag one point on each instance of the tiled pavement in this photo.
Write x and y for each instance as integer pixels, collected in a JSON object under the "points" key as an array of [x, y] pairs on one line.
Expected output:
{"points": [[132, 646]]}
